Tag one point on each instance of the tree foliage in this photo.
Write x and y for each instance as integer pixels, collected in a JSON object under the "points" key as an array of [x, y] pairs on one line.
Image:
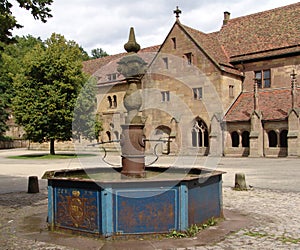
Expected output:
{"points": [[38, 8], [87, 123], [98, 53], [10, 63], [46, 90]]}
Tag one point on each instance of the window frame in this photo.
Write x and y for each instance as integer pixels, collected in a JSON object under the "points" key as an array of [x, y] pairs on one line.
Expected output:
{"points": [[112, 77], [198, 93], [189, 57], [262, 79], [165, 96]]}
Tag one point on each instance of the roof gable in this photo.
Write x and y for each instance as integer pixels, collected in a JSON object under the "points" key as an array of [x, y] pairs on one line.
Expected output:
{"points": [[208, 44]]}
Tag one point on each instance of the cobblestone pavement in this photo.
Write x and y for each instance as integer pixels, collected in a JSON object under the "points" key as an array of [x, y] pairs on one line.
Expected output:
{"points": [[275, 216]]}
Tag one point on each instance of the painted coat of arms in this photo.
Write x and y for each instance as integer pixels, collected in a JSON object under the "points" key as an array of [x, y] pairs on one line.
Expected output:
{"points": [[77, 209]]}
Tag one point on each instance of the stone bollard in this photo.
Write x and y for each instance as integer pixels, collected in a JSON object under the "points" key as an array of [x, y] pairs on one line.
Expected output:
{"points": [[240, 182], [33, 185]]}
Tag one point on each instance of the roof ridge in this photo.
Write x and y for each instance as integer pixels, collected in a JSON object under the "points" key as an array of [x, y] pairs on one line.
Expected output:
{"points": [[121, 53], [199, 31]]}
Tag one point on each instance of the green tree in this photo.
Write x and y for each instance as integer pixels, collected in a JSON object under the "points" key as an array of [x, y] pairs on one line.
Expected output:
{"points": [[46, 90], [85, 55], [98, 53], [10, 64], [3, 108], [38, 8], [87, 123]]}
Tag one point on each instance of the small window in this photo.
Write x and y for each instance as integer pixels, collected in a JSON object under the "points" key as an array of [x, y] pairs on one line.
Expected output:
{"points": [[197, 92], [267, 79], [188, 57], [165, 96], [115, 101], [109, 102], [231, 91], [166, 62], [112, 77], [174, 42], [263, 78]]}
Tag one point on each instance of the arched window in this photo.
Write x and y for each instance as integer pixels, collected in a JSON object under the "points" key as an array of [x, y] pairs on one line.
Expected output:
{"points": [[206, 138], [109, 101], [272, 139], [283, 138], [116, 133], [194, 138], [108, 135], [245, 139], [115, 101], [235, 140], [200, 134]]}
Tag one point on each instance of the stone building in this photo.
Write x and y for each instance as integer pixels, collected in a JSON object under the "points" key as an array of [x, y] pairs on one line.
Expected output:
{"points": [[232, 92]]}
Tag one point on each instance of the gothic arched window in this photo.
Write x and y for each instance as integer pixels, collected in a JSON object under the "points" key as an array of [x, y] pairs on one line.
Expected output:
{"points": [[200, 134]]}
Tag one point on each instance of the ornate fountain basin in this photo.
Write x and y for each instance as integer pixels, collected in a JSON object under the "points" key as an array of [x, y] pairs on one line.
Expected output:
{"points": [[101, 202]]}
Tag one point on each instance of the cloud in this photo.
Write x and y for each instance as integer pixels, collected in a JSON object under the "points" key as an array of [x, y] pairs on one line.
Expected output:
{"points": [[105, 24]]}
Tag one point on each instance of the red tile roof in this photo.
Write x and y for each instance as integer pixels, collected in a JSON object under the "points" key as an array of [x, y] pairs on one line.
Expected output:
{"points": [[91, 66], [267, 33], [263, 31], [273, 103]]}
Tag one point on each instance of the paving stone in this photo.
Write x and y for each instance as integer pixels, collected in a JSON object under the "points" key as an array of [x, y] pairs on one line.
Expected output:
{"points": [[276, 215]]}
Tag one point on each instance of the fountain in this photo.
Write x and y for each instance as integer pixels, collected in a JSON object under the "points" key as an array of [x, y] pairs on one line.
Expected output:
{"points": [[132, 198]]}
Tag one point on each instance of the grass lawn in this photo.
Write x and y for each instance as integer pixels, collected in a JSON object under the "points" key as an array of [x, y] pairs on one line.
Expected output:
{"points": [[46, 156]]}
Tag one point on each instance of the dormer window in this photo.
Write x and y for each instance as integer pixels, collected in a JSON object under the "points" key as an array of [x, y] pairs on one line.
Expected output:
{"points": [[112, 77]]}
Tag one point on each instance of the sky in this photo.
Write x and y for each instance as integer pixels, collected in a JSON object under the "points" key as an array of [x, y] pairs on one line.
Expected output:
{"points": [[105, 23]]}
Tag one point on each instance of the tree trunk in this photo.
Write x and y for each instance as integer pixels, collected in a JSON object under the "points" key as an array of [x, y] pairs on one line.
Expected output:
{"points": [[52, 151]]}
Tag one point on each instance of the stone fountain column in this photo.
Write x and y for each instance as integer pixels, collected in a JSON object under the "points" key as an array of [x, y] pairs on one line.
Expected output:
{"points": [[132, 67]]}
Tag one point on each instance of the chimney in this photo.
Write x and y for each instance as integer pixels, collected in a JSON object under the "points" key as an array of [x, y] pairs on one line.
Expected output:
{"points": [[226, 17]]}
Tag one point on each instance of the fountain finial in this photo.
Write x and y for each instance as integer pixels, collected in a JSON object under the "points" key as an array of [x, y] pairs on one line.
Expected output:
{"points": [[132, 45]]}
